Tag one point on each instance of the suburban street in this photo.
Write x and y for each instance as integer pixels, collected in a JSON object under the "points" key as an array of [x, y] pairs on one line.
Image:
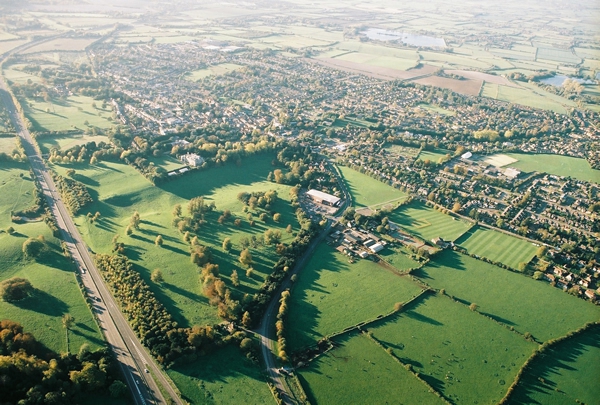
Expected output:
{"points": [[133, 359]]}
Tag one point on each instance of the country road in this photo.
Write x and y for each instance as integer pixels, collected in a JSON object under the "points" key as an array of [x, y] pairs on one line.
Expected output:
{"points": [[132, 357]]}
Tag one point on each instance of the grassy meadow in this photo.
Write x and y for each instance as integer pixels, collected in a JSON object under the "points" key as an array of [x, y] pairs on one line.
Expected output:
{"points": [[511, 298], [497, 246], [433, 155], [332, 294], [428, 223], [460, 353], [361, 372], [367, 191], [556, 164]]}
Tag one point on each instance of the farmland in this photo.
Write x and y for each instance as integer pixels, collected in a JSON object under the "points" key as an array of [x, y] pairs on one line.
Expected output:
{"points": [[367, 191], [325, 298], [459, 352], [497, 246], [539, 309], [428, 223], [347, 375]]}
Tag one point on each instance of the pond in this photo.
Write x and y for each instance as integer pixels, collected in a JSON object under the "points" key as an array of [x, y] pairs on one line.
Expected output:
{"points": [[558, 80], [404, 37]]}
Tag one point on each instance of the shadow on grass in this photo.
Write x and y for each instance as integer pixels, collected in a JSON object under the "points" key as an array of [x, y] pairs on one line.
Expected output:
{"points": [[88, 337], [498, 319], [43, 303], [86, 180]]}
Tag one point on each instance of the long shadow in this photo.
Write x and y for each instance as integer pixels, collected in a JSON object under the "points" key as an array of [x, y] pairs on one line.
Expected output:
{"points": [[498, 319], [174, 249], [43, 303], [56, 261], [86, 180], [87, 336], [435, 383], [422, 318], [185, 293], [133, 252]]}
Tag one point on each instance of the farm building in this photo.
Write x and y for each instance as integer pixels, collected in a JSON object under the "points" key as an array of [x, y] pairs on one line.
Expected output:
{"points": [[378, 247], [192, 159], [323, 198]]}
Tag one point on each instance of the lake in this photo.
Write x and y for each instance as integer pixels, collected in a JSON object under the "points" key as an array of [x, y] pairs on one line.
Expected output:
{"points": [[404, 37], [558, 80]]}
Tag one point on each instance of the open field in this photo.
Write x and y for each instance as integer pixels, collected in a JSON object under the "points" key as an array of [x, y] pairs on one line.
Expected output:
{"points": [[436, 109], [381, 61], [384, 73], [212, 71], [497, 246], [367, 191], [121, 191], [486, 77], [516, 300], [7, 144], [403, 151], [62, 44], [556, 164], [500, 160], [65, 142], [466, 356], [433, 155], [428, 223], [536, 98], [565, 375], [168, 163], [57, 290], [468, 87], [226, 377], [332, 294], [398, 257], [360, 372]]}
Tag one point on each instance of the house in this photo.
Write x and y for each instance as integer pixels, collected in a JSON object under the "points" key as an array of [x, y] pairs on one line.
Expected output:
{"points": [[439, 242], [192, 159], [590, 294]]}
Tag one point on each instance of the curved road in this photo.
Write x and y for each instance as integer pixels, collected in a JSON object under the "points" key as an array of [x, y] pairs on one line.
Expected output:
{"points": [[135, 363]]}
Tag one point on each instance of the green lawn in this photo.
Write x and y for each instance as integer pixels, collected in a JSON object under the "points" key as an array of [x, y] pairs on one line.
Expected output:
{"points": [[428, 223], [225, 377], [433, 155], [556, 164], [65, 142], [332, 294], [367, 191], [497, 246], [516, 300], [121, 190], [466, 356], [167, 162], [360, 372], [567, 374], [398, 257], [437, 109], [57, 290]]}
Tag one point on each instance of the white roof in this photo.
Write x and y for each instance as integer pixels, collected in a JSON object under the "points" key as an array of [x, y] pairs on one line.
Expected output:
{"points": [[467, 155], [376, 247], [331, 199], [511, 172]]}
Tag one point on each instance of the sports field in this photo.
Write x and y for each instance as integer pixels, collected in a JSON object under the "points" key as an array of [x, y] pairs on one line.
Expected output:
{"points": [[433, 155], [462, 354], [361, 372], [497, 246], [511, 298], [332, 294], [428, 223], [367, 191], [556, 164]]}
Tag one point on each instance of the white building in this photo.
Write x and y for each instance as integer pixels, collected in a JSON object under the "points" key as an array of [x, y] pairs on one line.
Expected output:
{"points": [[322, 197], [192, 159]]}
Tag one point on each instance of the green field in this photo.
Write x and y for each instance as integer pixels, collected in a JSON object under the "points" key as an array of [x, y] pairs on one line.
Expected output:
{"points": [[398, 257], [497, 246], [167, 162], [332, 294], [225, 377], [121, 190], [462, 354], [367, 191], [511, 298], [65, 142], [567, 374], [438, 110], [556, 164], [360, 372], [433, 155], [532, 97], [7, 144], [428, 223], [57, 290]]}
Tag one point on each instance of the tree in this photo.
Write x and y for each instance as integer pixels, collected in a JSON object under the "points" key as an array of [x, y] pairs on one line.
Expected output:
{"points": [[263, 217], [159, 240], [246, 344], [235, 279], [117, 389], [456, 207], [227, 244], [157, 276], [129, 230], [245, 257], [15, 289], [473, 307], [522, 266], [177, 210], [33, 248], [10, 230], [289, 229], [67, 322], [71, 172], [277, 217], [541, 252], [538, 275], [246, 320]]}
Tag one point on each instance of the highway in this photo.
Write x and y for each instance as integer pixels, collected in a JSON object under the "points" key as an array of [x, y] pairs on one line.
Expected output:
{"points": [[133, 359]]}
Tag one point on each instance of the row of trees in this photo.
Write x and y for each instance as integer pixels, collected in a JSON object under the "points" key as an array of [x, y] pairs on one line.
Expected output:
{"points": [[74, 193]]}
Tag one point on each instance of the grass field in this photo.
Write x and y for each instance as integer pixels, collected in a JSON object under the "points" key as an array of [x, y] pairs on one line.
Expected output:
{"points": [[497, 246], [168, 163], [68, 141], [121, 190], [433, 155], [360, 372], [428, 223], [7, 144], [57, 290], [524, 96], [403, 151], [332, 294], [462, 354], [226, 377], [398, 257], [367, 191], [567, 374], [437, 109], [518, 301], [556, 164]]}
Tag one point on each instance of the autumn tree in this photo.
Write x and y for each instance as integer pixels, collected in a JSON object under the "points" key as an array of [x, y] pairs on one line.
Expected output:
{"points": [[157, 276], [235, 279], [34, 248], [227, 244], [245, 257], [159, 240], [15, 289]]}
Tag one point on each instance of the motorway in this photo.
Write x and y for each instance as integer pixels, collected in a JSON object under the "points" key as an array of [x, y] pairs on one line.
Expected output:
{"points": [[133, 359]]}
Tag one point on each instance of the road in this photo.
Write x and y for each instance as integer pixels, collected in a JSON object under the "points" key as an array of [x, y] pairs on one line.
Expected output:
{"points": [[266, 329], [128, 350]]}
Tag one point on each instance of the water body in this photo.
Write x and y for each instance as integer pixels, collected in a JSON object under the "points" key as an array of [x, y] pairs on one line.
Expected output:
{"points": [[559, 80], [404, 37]]}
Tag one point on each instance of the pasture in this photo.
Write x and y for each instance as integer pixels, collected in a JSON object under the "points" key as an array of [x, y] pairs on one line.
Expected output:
{"points": [[559, 165], [225, 377], [367, 191], [427, 223], [332, 294], [62, 45], [398, 257], [120, 191], [361, 372], [433, 155], [497, 246], [468, 87], [57, 291], [460, 353], [7, 144], [65, 142], [532, 97], [511, 298]]}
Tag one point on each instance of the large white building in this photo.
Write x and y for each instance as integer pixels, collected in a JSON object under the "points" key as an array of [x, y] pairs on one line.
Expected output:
{"points": [[192, 159], [322, 197]]}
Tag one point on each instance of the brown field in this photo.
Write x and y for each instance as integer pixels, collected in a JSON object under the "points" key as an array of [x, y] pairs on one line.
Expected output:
{"points": [[375, 71], [468, 87], [469, 74], [62, 44]]}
